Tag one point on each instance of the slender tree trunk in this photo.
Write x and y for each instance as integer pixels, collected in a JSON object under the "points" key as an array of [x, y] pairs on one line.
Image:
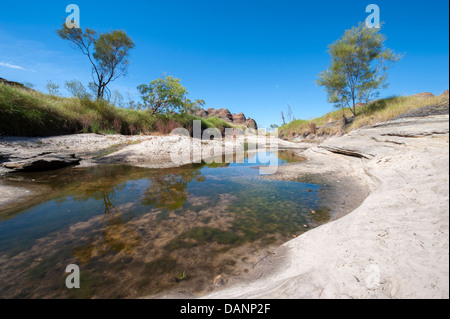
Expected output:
{"points": [[354, 106], [99, 92]]}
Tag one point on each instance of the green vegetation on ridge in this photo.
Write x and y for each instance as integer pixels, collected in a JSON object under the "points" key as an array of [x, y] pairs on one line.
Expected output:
{"points": [[358, 70], [375, 112], [29, 113]]}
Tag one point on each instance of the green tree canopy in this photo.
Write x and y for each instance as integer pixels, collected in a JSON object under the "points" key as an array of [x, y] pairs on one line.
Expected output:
{"points": [[77, 89], [108, 53], [165, 95], [52, 88], [192, 106], [358, 69]]}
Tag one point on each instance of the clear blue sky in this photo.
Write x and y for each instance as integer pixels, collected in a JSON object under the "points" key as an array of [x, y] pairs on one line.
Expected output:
{"points": [[247, 56]]}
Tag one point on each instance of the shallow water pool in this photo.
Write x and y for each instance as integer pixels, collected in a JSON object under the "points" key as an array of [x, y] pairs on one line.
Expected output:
{"points": [[137, 232]]}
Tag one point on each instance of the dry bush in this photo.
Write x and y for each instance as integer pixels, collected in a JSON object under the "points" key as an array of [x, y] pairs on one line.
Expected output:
{"points": [[165, 128], [132, 129], [86, 123], [117, 124], [312, 128]]}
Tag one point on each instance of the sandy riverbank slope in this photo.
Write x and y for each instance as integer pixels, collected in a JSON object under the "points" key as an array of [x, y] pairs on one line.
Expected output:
{"points": [[395, 245]]}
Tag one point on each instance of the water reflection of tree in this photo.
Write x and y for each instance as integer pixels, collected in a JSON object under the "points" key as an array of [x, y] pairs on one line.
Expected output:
{"points": [[168, 190], [114, 234]]}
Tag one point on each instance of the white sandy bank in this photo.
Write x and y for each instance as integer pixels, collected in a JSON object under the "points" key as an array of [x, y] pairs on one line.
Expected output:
{"points": [[396, 244]]}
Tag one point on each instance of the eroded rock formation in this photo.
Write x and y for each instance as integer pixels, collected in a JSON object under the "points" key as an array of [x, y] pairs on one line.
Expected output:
{"points": [[226, 115], [40, 162]]}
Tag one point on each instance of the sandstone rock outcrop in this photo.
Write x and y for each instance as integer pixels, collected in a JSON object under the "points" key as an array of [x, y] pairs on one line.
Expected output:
{"points": [[42, 162], [226, 115], [251, 123], [239, 118]]}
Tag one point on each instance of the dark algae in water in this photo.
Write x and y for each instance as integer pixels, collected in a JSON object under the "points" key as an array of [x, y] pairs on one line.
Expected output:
{"points": [[135, 232]]}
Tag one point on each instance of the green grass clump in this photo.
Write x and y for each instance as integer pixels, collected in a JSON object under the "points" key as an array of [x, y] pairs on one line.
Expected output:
{"points": [[390, 108], [23, 111], [219, 123]]}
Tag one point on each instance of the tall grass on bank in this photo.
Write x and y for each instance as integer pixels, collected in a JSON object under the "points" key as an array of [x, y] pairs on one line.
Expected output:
{"points": [[388, 109], [375, 112], [31, 113]]}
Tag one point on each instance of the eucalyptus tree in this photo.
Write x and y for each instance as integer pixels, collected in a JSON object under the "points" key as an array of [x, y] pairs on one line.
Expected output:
{"points": [[358, 68], [107, 52]]}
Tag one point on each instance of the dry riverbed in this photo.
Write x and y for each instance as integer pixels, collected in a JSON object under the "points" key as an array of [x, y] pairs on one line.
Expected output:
{"points": [[389, 197]]}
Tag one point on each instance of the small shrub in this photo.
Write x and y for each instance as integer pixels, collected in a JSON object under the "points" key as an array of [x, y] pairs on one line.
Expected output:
{"points": [[117, 124], [95, 127], [86, 123], [132, 129], [312, 128]]}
